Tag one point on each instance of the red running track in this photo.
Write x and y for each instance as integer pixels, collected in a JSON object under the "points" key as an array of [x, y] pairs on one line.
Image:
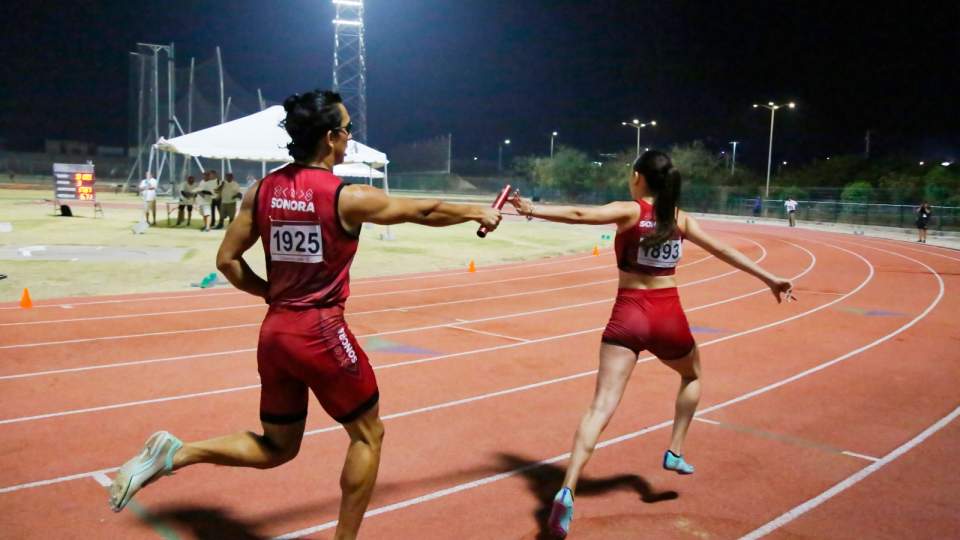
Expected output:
{"points": [[831, 417]]}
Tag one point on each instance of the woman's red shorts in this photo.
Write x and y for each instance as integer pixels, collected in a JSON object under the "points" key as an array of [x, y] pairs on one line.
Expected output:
{"points": [[651, 320]]}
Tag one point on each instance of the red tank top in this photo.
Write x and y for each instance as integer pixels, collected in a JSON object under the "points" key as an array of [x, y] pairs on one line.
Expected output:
{"points": [[660, 260], [307, 249]]}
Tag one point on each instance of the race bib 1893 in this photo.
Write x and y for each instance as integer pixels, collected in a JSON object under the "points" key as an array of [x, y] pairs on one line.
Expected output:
{"points": [[296, 241], [664, 255]]}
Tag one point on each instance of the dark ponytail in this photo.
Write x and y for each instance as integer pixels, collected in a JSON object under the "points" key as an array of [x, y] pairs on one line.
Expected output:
{"points": [[663, 179], [309, 117]]}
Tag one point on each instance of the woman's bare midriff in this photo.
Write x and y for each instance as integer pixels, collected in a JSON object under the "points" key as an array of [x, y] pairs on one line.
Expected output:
{"points": [[629, 280]]}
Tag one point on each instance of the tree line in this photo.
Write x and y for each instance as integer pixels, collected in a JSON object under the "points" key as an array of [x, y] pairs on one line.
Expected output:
{"points": [[575, 175]]}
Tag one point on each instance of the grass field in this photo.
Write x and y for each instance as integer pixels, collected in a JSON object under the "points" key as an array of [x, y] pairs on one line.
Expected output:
{"points": [[414, 249]]}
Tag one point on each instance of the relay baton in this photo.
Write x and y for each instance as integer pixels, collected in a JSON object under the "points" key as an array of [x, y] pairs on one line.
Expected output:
{"points": [[498, 204]]}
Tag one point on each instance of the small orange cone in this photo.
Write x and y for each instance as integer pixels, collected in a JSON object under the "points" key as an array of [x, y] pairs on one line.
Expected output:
{"points": [[596, 250], [25, 301], [473, 267]]}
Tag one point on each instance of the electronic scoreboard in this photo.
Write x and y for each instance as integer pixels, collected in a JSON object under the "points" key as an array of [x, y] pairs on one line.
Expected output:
{"points": [[73, 181]]}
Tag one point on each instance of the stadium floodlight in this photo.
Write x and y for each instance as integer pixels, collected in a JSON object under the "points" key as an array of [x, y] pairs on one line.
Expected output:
{"points": [[352, 3], [500, 154], [348, 23], [946, 163], [553, 135], [638, 125], [349, 63], [773, 109]]}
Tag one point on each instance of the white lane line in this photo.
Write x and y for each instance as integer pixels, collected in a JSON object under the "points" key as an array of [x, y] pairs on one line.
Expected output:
{"points": [[405, 363], [248, 325], [786, 518], [805, 507], [707, 421], [102, 479], [127, 300], [861, 456], [427, 289], [485, 396], [493, 334], [127, 404], [850, 481], [59, 479], [125, 364]]}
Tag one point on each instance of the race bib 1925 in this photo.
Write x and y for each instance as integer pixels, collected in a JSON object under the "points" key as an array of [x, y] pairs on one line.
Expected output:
{"points": [[663, 255], [296, 241]]}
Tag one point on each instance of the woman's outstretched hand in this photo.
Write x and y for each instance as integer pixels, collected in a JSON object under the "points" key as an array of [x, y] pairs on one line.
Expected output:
{"points": [[524, 206], [782, 289]]}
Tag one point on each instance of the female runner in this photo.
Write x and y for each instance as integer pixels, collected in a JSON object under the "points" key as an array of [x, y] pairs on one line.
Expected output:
{"points": [[647, 314]]}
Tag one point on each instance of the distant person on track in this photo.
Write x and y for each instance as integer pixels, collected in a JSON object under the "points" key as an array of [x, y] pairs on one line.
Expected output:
{"points": [[148, 191], [647, 314], [790, 206], [923, 219], [757, 207], [308, 223]]}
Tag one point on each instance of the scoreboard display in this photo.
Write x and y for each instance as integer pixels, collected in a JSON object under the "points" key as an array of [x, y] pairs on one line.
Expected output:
{"points": [[74, 181]]}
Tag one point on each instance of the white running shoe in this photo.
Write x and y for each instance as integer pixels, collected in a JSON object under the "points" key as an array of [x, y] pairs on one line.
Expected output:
{"points": [[154, 461]]}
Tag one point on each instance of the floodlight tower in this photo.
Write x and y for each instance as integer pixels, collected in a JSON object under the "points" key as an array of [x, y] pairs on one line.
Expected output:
{"points": [[349, 63]]}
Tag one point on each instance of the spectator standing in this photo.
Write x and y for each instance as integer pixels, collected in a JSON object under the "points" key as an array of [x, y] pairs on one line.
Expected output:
{"points": [[923, 219], [757, 206], [216, 201], [791, 206], [205, 194], [148, 191], [229, 193], [188, 194]]}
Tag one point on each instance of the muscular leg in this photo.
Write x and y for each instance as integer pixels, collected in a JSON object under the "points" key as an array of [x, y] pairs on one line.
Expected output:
{"points": [[279, 444], [616, 365], [687, 397], [359, 471]]}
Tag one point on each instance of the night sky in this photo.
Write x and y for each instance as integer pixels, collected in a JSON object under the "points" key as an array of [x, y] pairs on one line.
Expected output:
{"points": [[486, 70]]}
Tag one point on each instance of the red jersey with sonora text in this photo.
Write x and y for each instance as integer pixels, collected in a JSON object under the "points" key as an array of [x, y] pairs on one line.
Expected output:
{"points": [[308, 251], [658, 260]]}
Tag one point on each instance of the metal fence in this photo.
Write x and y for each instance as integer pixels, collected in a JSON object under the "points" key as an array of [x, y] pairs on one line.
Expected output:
{"points": [[944, 218]]}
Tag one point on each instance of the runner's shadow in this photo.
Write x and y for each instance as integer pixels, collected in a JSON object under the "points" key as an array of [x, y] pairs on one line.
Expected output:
{"points": [[545, 480], [205, 523]]}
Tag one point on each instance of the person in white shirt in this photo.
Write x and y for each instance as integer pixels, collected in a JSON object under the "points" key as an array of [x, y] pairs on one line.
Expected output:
{"points": [[205, 193], [791, 206], [148, 190]]}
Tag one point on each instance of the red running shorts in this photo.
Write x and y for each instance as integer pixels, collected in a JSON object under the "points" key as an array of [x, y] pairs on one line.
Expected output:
{"points": [[313, 348], [651, 320]]}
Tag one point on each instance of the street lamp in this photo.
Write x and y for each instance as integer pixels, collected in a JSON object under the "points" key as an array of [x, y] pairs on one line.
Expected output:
{"points": [[552, 137], [773, 109], [500, 154], [636, 124], [733, 162]]}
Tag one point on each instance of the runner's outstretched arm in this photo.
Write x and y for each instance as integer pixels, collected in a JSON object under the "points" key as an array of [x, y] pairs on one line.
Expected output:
{"points": [[241, 236], [359, 204], [616, 212], [726, 253]]}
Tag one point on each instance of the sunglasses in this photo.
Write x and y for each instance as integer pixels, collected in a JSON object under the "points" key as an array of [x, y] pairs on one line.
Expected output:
{"points": [[348, 129]]}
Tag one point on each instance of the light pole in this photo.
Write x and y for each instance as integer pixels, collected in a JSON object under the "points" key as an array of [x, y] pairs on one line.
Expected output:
{"points": [[733, 163], [500, 154], [773, 110], [637, 125], [552, 137]]}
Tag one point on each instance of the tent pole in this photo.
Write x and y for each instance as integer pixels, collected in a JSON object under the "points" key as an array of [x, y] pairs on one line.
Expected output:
{"points": [[222, 109]]}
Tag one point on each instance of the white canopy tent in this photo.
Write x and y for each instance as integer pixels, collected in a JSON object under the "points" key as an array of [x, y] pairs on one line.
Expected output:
{"points": [[259, 137]]}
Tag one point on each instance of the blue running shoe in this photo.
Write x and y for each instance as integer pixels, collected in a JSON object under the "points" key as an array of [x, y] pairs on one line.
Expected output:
{"points": [[562, 513], [673, 462]]}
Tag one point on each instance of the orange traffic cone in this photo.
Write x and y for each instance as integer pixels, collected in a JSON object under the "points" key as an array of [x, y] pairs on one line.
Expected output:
{"points": [[25, 301], [473, 267], [596, 250]]}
